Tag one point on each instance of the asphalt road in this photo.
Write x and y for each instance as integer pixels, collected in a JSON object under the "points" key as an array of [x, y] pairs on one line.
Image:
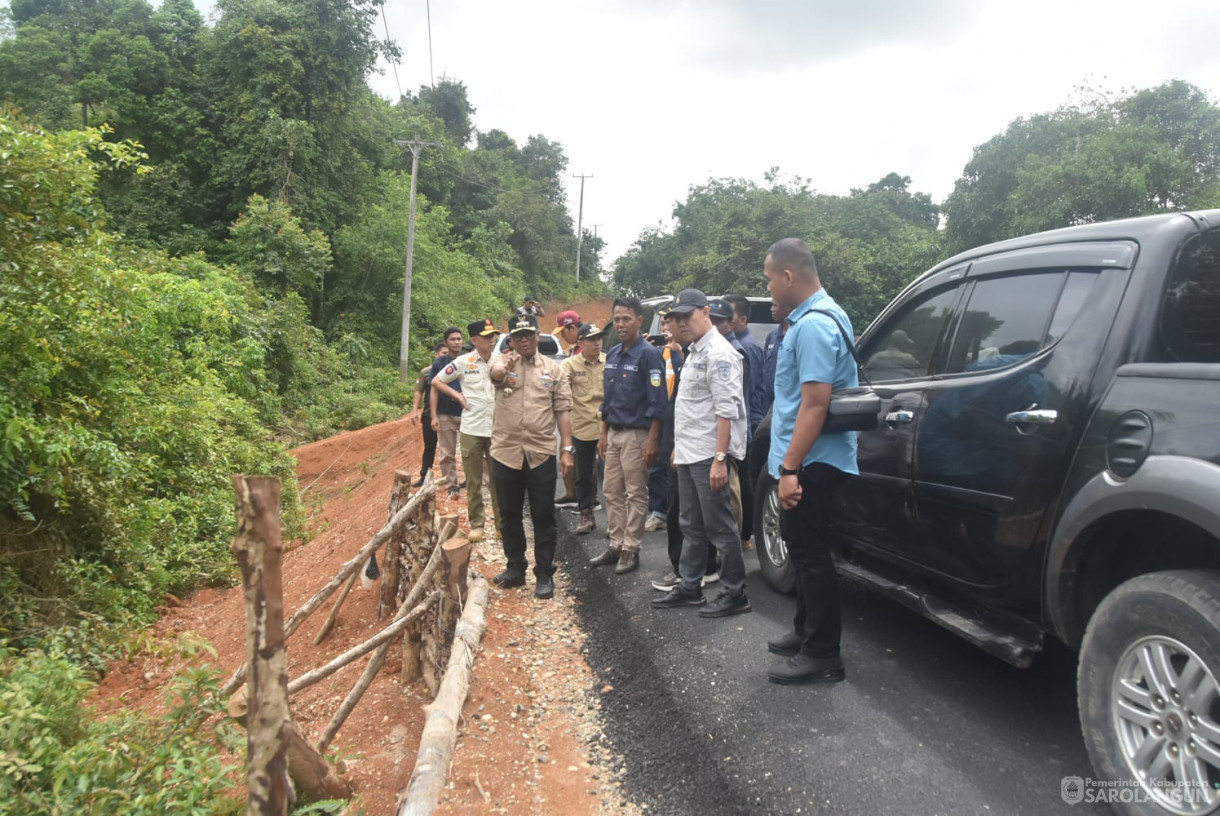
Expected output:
{"points": [[924, 724]]}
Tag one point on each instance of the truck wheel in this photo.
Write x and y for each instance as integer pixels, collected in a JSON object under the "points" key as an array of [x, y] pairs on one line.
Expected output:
{"points": [[1149, 694], [768, 543]]}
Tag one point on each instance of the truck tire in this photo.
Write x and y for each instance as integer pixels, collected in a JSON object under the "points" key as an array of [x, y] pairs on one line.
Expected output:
{"points": [[773, 560], [1149, 695]]}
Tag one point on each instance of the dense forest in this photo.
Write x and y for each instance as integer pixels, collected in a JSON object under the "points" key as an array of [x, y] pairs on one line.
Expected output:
{"points": [[1140, 152], [202, 242]]}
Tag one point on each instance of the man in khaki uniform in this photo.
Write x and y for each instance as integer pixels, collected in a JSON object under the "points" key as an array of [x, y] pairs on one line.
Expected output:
{"points": [[478, 401], [532, 397], [585, 371]]}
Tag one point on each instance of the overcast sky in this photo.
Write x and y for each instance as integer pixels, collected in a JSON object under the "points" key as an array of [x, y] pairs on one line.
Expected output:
{"points": [[653, 96]]}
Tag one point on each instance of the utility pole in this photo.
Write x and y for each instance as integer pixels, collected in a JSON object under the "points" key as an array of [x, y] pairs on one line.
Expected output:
{"points": [[404, 364], [595, 226], [580, 215]]}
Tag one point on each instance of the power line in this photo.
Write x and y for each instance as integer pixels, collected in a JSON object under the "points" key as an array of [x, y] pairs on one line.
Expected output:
{"points": [[393, 64]]}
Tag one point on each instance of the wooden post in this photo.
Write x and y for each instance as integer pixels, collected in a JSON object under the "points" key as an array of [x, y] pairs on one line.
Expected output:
{"points": [[259, 550], [393, 547], [457, 559], [440, 729], [427, 492]]}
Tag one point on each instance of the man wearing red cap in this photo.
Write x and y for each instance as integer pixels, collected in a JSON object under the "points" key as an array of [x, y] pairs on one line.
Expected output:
{"points": [[567, 327]]}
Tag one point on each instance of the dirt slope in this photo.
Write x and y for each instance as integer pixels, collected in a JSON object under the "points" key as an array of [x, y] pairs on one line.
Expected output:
{"points": [[532, 709]]}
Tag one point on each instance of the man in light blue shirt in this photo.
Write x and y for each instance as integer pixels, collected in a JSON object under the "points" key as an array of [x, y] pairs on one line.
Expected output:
{"points": [[814, 360]]}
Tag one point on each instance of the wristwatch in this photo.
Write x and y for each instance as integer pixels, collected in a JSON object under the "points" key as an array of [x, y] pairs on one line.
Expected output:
{"points": [[720, 456], [569, 449], [783, 471]]}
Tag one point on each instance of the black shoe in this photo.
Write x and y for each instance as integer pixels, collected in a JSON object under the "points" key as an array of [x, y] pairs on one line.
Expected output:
{"points": [[786, 645], [418, 482], [801, 668], [679, 597], [566, 501], [726, 604], [509, 579], [627, 562], [462, 485], [610, 556], [544, 587]]}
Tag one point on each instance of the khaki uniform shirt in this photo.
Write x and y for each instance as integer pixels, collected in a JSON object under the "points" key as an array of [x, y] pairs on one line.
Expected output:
{"points": [[527, 401], [475, 374], [587, 380]]}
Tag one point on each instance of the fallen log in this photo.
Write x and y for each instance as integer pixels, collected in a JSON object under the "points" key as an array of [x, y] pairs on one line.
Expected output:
{"points": [[334, 612], [436, 745], [349, 568], [314, 777]]}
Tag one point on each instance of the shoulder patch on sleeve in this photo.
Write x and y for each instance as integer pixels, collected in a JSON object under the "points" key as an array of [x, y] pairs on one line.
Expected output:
{"points": [[449, 369], [654, 377]]}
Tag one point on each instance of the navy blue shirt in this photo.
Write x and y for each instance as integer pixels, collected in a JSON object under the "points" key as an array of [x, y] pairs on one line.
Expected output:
{"points": [[749, 373], [754, 397], [764, 386], [634, 385], [445, 404]]}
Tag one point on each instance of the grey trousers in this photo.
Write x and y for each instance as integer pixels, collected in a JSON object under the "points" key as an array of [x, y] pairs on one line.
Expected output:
{"points": [[706, 516]]}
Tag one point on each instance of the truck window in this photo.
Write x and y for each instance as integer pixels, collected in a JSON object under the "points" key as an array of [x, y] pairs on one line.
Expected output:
{"points": [[1190, 310], [903, 349], [1005, 321]]}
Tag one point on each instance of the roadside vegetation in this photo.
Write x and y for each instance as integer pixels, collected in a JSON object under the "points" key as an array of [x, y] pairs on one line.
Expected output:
{"points": [[202, 238]]}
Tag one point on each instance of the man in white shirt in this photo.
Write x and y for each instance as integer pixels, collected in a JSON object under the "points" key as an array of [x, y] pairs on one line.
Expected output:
{"points": [[478, 401], [710, 421]]}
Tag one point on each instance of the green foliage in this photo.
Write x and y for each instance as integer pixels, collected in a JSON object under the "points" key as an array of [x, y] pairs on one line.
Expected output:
{"points": [[56, 757], [129, 393], [1155, 150], [868, 245]]}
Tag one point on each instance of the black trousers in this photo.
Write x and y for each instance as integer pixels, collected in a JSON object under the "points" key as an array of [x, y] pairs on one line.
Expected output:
{"points": [[586, 473], [429, 444], [512, 486], [747, 498], [806, 529], [674, 532]]}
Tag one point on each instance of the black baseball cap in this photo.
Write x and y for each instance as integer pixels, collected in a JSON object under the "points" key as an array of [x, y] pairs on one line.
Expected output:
{"points": [[687, 301], [523, 323], [590, 331], [720, 309], [482, 328]]}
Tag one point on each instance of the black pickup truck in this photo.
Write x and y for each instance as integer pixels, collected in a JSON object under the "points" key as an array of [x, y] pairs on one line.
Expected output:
{"points": [[1047, 464]]}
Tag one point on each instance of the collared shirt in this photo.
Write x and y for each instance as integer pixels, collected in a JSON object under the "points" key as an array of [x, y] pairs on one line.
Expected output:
{"points": [[813, 351], [635, 387], [585, 378], [765, 386], [474, 374], [527, 401], [710, 390], [445, 404], [756, 398]]}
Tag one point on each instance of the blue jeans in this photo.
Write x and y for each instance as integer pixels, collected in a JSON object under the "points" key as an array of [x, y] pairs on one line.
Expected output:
{"points": [[706, 516], [658, 487]]}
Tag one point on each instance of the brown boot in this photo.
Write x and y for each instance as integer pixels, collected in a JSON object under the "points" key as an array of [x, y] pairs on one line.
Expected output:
{"points": [[587, 523], [628, 561], [610, 556]]}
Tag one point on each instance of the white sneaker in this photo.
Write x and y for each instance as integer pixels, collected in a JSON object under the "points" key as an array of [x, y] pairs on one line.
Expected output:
{"points": [[711, 578], [654, 522]]}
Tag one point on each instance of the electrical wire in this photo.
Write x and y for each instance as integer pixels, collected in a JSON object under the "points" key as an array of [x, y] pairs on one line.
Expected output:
{"points": [[393, 64]]}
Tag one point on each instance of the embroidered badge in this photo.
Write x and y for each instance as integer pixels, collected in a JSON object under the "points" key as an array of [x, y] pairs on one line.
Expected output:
{"points": [[724, 371], [654, 378], [449, 369]]}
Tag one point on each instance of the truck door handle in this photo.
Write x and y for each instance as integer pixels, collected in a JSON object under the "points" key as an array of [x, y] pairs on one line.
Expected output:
{"points": [[899, 417], [1032, 417]]}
